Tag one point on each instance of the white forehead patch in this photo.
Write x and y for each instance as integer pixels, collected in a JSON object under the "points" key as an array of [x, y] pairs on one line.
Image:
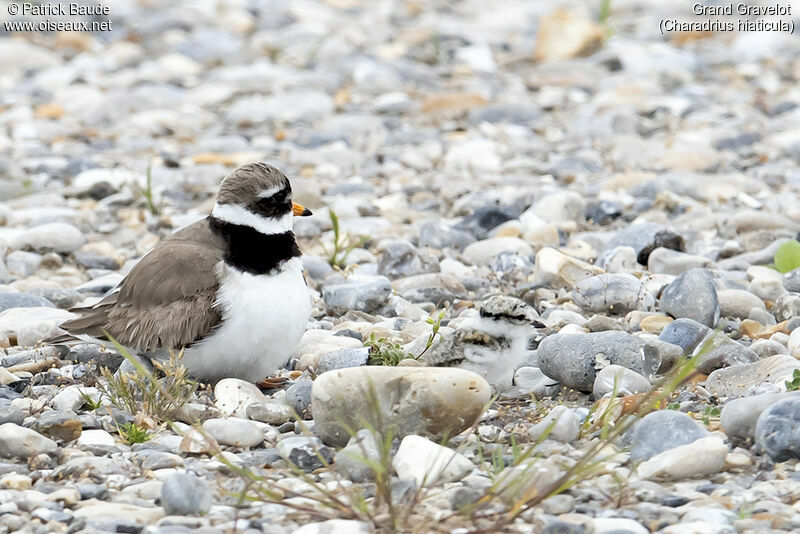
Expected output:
{"points": [[238, 214], [266, 193]]}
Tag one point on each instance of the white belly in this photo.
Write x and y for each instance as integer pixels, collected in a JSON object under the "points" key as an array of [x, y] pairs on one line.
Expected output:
{"points": [[263, 319]]}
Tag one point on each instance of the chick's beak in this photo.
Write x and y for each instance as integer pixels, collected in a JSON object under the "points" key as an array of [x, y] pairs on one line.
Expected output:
{"points": [[300, 211]]}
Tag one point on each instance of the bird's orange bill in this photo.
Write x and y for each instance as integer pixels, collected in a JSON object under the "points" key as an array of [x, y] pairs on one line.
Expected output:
{"points": [[300, 211]]}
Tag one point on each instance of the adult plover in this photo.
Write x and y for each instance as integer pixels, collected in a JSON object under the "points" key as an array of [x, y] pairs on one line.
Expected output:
{"points": [[228, 290]]}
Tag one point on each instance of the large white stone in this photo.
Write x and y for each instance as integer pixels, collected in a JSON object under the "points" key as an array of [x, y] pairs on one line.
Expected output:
{"points": [[620, 379], [73, 397], [703, 457], [28, 326], [234, 432], [232, 396], [96, 437], [561, 424], [430, 401], [57, 237], [427, 463], [21, 442]]}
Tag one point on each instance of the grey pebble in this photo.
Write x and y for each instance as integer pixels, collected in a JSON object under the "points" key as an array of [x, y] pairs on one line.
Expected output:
{"points": [[10, 414], [738, 417], [663, 430], [573, 359], [356, 459], [692, 295], [184, 494], [298, 396], [366, 294]]}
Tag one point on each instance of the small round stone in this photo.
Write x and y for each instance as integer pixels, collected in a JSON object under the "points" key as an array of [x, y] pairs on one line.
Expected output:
{"points": [[184, 494], [234, 432]]}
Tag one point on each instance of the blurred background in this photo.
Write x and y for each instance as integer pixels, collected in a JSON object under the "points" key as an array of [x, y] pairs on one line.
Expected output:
{"points": [[388, 110]]}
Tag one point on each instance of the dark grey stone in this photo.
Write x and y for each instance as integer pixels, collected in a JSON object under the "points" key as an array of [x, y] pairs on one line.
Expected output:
{"points": [[97, 354], [400, 258], [346, 332], [646, 237], [403, 490], [562, 527], [692, 295], [686, 333], [573, 359], [778, 430], [298, 396], [19, 385], [661, 431], [184, 494], [92, 491], [307, 453], [8, 393], [463, 497], [674, 501], [737, 141], [486, 218], [791, 281], [10, 414], [603, 211], [354, 461]]}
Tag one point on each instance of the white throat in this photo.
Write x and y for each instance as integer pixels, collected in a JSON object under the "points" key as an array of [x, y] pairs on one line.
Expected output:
{"points": [[238, 214]]}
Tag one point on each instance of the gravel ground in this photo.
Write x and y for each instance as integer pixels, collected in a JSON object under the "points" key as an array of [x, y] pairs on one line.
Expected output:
{"points": [[575, 201]]}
